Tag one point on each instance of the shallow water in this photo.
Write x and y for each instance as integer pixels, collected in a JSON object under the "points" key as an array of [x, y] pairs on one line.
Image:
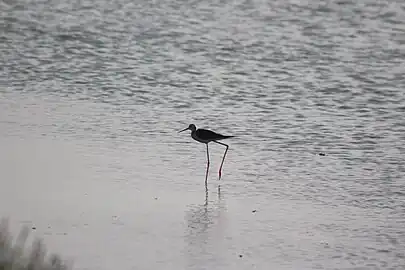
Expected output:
{"points": [[93, 93]]}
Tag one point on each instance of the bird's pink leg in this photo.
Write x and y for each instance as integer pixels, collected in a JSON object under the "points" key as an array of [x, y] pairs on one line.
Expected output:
{"points": [[208, 165], [223, 159]]}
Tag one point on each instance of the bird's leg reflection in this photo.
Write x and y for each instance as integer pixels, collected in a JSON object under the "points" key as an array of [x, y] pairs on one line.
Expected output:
{"points": [[206, 195], [206, 227]]}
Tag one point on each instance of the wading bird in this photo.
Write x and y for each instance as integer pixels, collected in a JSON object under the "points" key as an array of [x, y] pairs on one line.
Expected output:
{"points": [[206, 136]]}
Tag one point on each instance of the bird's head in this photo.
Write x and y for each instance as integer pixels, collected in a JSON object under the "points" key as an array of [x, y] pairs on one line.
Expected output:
{"points": [[190, 127]]}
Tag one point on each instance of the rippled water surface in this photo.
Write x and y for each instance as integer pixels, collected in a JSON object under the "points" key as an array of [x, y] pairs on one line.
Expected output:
{"points": [[93, 93]]}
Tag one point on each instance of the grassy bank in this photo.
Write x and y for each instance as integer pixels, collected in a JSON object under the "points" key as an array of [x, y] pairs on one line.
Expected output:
{"points": [[14, 255]]}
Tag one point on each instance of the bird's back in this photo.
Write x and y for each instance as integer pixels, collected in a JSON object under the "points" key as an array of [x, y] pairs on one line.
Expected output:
{"points": [[208, 135]]}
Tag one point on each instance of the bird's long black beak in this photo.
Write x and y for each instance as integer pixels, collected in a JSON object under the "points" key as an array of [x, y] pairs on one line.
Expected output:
{"points": [[183, 129]]}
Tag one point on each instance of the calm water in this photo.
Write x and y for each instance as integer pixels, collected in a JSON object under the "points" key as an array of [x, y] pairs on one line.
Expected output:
{"points": [[93, 93]]}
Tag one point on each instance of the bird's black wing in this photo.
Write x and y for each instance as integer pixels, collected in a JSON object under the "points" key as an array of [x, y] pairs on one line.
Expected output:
{"points": [[210, 135]]}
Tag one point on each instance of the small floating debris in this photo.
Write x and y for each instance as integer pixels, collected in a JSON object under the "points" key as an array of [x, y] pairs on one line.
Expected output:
{"points": [[254, 211], [322, 154], [240, 255], [34, 228]]}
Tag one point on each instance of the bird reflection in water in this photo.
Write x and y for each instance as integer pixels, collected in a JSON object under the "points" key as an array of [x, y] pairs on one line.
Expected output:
{"points": [[206, 228]]}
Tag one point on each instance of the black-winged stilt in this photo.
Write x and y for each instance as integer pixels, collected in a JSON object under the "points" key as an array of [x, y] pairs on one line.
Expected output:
{"points": [[206, 136]]}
